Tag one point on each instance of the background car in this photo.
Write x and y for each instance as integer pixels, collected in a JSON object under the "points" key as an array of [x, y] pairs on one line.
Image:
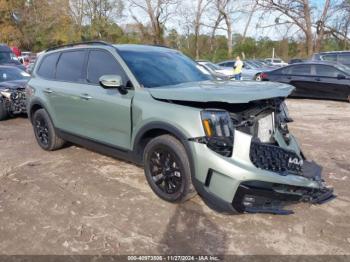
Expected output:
{"points": [[342, 57], [218, 73], [251, 68], [8, 58], [276, 61], [12, 91], [208, 70], [218, 69], [314, 79]]}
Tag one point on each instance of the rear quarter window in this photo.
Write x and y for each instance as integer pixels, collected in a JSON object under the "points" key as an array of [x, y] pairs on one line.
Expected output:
{"points": [[47, 66]]}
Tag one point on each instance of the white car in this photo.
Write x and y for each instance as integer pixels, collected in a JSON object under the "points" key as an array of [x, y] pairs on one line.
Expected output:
{"points": [[276, 62], [216, 68]]}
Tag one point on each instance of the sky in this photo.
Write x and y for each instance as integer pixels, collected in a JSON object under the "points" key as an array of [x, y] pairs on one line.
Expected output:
{"points": [[239, 21]]}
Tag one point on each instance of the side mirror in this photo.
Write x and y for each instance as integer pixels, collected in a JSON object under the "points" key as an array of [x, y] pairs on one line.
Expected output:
{"points": [[341, 76], [113, 81]]}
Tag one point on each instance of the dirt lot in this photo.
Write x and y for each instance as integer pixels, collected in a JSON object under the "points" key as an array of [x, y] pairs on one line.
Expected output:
{"points": [[74, 201]]}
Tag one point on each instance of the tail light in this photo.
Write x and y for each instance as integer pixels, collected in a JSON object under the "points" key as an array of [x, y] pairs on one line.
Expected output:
{"points": [[264, 76]]}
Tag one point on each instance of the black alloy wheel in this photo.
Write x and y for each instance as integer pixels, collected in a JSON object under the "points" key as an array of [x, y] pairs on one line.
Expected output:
{"points": [[166, 170], [42, 131], [45, 132]]}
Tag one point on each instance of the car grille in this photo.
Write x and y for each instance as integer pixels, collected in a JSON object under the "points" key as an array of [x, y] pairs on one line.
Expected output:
{"points": [[274, 158]]}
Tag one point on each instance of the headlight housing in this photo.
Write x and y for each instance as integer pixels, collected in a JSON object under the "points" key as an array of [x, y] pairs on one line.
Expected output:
{"points": [[284, 113], [217, 123], [283, 119], [219, 131]]}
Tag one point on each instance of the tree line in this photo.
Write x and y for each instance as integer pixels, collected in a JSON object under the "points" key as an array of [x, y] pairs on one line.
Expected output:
{"points": [[203, 29]]}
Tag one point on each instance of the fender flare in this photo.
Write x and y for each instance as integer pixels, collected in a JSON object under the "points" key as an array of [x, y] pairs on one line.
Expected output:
{"points": [[171, 130], [35, 102]]}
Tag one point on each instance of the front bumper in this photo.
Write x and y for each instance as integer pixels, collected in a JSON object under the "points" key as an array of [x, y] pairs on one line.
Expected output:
{"points": [[15, 101], [225, 183]]}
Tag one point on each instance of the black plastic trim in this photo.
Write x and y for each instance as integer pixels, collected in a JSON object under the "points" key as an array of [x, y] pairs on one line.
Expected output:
{"points": [[99, 147], [265, 192], [78, 43], [214, 202]]}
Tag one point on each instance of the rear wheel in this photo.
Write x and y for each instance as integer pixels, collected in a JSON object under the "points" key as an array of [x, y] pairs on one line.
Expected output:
{"points": [[44, 131], [167, 169], [4, 114]]}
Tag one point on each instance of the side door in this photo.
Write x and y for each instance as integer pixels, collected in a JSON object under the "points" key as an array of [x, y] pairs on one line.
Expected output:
{"points": [[281, 75], [103, 115], [299, 75], [63, 93], [328, 85]]}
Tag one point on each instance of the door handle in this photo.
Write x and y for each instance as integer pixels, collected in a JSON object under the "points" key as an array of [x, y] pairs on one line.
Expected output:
{"points": [[85, 97], [289, 77], [318, 79], [48, 91]]}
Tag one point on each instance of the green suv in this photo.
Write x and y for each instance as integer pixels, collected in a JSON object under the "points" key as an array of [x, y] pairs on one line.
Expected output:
{"points": [[153, 106]]}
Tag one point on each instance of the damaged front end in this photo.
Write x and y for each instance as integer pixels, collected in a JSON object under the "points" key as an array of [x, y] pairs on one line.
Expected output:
{"points": [[14, 100], [272, 149]]}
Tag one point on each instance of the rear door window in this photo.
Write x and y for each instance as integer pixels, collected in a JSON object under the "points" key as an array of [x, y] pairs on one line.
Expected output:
{"points": [[326, 71], [102, 63], [70, 66], [48, 66], [298, 70]]}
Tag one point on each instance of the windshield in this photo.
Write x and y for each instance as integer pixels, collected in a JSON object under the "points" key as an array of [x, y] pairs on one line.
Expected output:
{"points": [[155, 68], [213, 66], [11, 74], [252, 64]]}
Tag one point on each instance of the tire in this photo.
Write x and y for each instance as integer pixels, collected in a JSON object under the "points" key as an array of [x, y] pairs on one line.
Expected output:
{"points": [[44, 131], [4, 114], [167, 157], [257, 77]]}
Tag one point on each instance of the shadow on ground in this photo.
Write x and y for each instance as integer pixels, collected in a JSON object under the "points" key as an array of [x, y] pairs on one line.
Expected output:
{"points": [[191, 232]]}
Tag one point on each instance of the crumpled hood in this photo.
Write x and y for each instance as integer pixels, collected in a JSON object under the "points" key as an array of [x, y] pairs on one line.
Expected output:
{"points": [[13, 84], [222, 91]]}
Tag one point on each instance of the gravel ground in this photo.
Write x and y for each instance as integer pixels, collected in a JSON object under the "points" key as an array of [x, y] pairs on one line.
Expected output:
{"points": [[74, 201]]}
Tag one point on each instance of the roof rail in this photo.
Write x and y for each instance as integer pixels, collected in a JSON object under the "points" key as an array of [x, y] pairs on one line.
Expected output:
{"points": [[78, 43]]}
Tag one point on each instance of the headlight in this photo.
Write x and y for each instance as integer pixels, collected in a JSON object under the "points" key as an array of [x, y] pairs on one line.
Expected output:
{"points": [[284, 113], [6, 93], [283, 119], [219, 131], [217, 123]]}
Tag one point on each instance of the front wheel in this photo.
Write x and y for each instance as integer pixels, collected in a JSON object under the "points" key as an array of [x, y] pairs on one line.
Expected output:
{"points": [[167, 169]]}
